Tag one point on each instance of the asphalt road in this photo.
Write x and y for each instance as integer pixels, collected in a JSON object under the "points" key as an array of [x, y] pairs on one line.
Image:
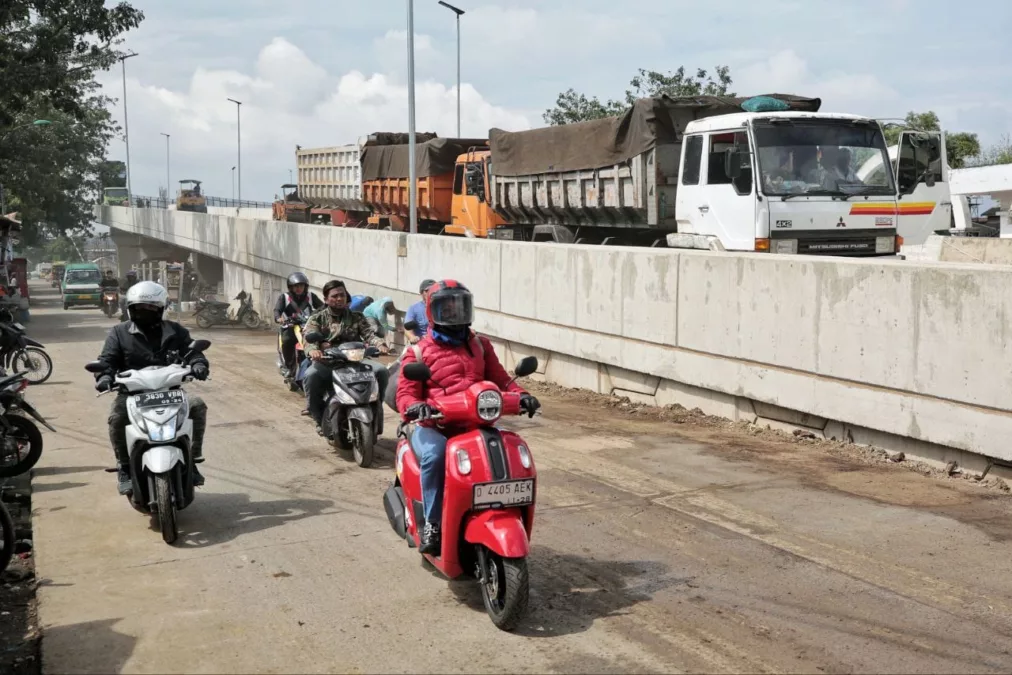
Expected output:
{"points": [[658, 547]]}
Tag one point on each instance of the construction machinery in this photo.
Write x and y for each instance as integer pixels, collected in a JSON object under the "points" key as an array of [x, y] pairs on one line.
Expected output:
{"points": [[291, 207], [190, 197]]}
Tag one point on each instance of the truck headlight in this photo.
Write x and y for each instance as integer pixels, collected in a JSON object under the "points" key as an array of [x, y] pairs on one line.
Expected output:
{"points": [[785, 246], [885, 244]]}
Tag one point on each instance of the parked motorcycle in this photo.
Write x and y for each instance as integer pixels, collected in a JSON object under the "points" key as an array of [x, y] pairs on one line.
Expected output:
{"points": [[215, 313], [158, 437], [110, 302], [488, 496], [353, 418], [20, 439], [18, 352]]}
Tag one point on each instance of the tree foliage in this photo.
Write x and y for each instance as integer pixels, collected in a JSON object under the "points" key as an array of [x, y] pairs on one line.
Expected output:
{"points": [[999, 153], [960, 146], [572, 106], [50, 52]]}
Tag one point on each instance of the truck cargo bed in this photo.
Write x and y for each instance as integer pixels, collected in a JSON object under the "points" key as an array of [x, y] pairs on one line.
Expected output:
{"points": [[389, 196]]}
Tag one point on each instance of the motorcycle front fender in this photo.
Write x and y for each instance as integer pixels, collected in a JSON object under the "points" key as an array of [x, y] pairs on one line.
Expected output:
{"points": [[500, 531], [30, 342], [161, 458], [30, 409], [363, 414]]}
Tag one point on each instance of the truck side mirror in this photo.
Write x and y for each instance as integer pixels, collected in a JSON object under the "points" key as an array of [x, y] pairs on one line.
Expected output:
{"points": [[732, 163]]}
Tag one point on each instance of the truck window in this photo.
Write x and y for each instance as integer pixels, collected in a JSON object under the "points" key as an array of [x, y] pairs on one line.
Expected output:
{"points": [[693, 156], [920, 155], [720, 143], [475, 186], [458, 179]]}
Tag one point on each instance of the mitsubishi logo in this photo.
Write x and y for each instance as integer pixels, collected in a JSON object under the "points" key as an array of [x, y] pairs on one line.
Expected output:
{"points": [[841, 223]]}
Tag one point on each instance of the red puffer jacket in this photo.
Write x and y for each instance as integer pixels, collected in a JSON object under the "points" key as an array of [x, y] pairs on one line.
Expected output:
{"points": [[453, 369]]}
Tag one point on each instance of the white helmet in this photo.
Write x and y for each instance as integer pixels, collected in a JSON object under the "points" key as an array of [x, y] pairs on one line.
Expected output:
{"points": [[147, 293]]}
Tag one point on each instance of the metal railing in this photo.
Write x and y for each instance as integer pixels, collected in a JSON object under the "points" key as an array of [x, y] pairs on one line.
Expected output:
{"points": [[142, 201]]}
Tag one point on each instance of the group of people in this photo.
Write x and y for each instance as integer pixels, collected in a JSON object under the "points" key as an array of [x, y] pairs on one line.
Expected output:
{"points": [[442, 339]]}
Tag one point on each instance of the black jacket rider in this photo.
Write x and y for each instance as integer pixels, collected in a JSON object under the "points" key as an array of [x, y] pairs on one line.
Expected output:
{"points": [[289, 306]]}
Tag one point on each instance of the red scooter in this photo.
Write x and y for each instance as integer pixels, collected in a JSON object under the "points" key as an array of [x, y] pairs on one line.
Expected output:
{"points": [[488, 496]]}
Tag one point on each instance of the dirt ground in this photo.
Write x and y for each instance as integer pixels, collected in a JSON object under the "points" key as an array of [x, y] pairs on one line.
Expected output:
{"points": [[664, 541], [19, 631]]}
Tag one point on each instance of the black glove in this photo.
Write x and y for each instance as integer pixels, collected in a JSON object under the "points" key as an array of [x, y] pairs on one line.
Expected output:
{"points": [[104, 383], [419, 411], [529, 404], [199, 371]]}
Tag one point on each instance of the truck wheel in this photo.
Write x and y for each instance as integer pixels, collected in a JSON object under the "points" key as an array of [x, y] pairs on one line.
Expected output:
{"points": [[505, 590]]}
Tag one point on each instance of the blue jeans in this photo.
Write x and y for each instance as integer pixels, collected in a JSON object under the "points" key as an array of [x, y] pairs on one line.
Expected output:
{"points": [[431, 448]]}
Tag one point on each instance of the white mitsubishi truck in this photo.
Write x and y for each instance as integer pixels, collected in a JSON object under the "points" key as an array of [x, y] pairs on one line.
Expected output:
{"points": [[698, 172]]}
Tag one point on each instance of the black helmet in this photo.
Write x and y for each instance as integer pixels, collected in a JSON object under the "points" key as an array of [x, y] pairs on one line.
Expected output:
{"points": [[425, 284], [131, 273], [296, 278]]}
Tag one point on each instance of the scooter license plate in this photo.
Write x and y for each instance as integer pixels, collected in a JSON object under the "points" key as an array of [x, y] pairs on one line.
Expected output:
{"points": [[155, 399], [504, 493]]}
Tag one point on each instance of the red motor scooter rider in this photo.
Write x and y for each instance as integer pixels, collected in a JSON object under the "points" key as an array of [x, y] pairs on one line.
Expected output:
{"points": [[458, 359]]}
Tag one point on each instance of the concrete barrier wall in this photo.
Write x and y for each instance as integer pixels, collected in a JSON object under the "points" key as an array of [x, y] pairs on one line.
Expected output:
{"points": [[903, 355], [263, 214]]}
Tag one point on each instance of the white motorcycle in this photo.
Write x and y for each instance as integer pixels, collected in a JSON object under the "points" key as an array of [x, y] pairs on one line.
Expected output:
{"points": [[158, 438]]}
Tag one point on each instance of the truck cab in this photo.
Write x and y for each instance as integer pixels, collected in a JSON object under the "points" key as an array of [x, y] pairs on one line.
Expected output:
{"points": [[82, 285], [116, 196], [470, 213], [788, 182]]}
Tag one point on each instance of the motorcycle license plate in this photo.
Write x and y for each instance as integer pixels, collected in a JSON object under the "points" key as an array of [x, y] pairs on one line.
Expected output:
{"points": [[504, 493], [157, 399]]}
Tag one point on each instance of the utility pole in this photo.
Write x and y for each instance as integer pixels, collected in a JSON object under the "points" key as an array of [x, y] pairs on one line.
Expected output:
{"points": [[126, 129], [168, 181], [458, 11], [238, 139], [412, 172]]}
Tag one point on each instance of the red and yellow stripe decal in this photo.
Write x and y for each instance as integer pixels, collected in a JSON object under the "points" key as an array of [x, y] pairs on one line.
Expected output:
{"points": [[890, 209]]}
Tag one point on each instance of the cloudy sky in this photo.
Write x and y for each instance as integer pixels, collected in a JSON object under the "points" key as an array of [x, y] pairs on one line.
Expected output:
{"points": [[324, 72]]}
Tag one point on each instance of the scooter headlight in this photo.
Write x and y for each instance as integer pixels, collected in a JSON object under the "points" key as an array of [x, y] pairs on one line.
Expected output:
{"points": [[525, 456], [489, 405], [135, 416], [354, 354], [463, 461], [161, 433]]}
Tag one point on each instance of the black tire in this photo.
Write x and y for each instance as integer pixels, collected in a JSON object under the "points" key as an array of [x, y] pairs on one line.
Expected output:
{"points": [[166, 508], [203, 322], [7, 542], [66, 306], [511, 588], [36, 362], [25, 431], [251, 320], [363, 442]]}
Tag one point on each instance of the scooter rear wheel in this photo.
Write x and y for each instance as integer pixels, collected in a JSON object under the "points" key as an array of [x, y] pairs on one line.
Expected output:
{"points": [[505, 590], [203, 322], [166, 509]]}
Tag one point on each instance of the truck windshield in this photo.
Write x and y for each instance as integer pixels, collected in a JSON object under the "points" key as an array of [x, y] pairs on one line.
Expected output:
{"points": [[83, 277], [820, 157], [115, 192]]}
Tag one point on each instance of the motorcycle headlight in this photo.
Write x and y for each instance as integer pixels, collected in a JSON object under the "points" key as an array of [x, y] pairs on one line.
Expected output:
{"points": [[135, 416], [525, 456], [160, 433], [489, 405]]}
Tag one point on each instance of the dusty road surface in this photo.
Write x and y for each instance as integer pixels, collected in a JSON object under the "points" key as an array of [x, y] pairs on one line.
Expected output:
{"points": [[658, 547]]}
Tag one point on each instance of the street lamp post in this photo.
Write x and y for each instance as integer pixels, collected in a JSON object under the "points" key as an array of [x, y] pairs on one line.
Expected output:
{"points": [[238, 140], [233, 183], [412, 172], [168, 180], [458, 12], [126, 129]]}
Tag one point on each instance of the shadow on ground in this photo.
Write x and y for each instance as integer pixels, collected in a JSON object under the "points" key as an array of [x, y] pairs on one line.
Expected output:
{"points": [[222, 517], [95, 646]]}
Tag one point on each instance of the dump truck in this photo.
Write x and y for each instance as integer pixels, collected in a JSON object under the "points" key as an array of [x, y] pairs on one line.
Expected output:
{"points": [[291, 207], [115, 196], [190, 198]]}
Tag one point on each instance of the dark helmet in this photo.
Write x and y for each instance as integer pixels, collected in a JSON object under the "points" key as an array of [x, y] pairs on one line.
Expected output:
{"points": [[448, 303], [296, 278], [425, 284], [131, 274]]}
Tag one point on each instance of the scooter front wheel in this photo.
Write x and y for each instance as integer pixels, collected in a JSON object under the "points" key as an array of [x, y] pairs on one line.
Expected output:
{"points": [[362, 442], [505, 589], [166, 508], [203, 322]]}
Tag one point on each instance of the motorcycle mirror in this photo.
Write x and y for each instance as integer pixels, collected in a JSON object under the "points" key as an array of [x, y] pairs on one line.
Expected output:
{"points": [[94, 367], [527, 366], [416, 372], [411, 325], [199, 345], [313, 337], [370, 352]]}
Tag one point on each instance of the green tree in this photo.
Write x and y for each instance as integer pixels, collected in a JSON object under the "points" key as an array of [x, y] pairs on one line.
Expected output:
{"points": [[111, 173], [999, 153], [50, 51], [62, 248], [572, 106], [960, 146]]}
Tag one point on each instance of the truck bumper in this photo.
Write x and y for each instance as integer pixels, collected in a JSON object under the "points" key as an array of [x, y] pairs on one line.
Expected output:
{"points": [[838, 242]]}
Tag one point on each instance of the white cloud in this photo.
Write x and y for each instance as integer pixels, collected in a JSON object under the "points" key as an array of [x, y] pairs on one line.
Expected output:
{"points": [[287, 100], [787, 73]]}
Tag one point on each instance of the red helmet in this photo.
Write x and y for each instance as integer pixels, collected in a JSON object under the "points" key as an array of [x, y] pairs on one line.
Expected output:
{"points": [[448, 303]]}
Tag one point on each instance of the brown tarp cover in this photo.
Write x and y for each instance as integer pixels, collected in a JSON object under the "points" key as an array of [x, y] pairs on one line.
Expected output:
{"points": [[432, 158], [613, 140], [397, 138]]}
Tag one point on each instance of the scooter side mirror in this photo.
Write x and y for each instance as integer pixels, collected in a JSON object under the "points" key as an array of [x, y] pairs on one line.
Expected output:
{"points": [[313, 337], [95, 367], [200, 345], [411, 325], [371, 352], [527, 366], [416, 372]]}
